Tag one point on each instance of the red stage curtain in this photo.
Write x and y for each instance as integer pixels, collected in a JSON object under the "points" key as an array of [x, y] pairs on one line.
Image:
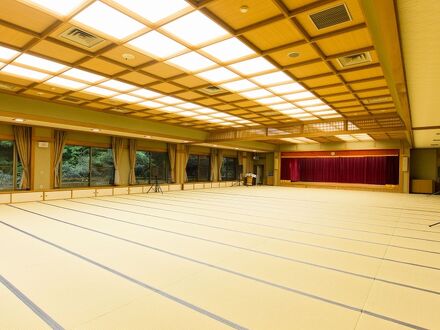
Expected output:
{"points": [[368, 170]]}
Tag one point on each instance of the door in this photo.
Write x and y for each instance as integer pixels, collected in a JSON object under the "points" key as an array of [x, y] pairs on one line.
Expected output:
{"points": [[259, 171]]}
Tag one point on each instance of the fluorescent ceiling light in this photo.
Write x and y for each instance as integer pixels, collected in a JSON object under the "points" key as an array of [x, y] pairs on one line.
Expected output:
{"points": [[117, 85], [218, 75], [7, 54], [299, 96], [154, 11], [39, 63], [308, 118], [291, 111], [226, 124], [228, 50], [272, 78], [346, 137], [157, 45], [191, 62], [220, 115], [363, 137], [189, 106], [188, 113], [195, 29], [152, 104], [83, 75], [169, 100], [287, 88], [66, 83], [145, 93], [202, 117], [270, 100], [107, 20], [239, 85], [332, 116], [215, 121], [2, 64], [309, 102], [205, 111], [24, 73], [256, 94], [326, 112], [253, 66], [283, 106], [59, 7], [243, 121], [306, 140], [99, 91], [301, 115], [318, 108], [128, 98], [170, 109]]}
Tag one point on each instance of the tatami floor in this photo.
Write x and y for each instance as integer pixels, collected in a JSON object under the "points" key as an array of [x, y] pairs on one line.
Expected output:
{"points": [[241, 257]]}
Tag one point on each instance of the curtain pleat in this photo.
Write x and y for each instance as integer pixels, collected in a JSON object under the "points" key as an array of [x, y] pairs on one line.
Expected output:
{"points": [[58, 146], [172, 157], [220, 163], [185, 161], [23, 143], [117, 147], [213, 165], [132, 148]]}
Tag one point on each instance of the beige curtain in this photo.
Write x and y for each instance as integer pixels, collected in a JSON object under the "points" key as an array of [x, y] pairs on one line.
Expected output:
{"points": [[117, 147], [219, 164], [58, 148], [132, 147], [213, 164], [172, 157], [23, 143], [185, 161], [240, 164]]}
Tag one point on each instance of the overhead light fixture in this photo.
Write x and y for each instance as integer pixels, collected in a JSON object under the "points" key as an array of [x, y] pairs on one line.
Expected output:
{"points": [[157, 45], [154, 11], [127, 98], [256, 94], [83, 75], [7, 54], [66, 83], [346, 137], [40, 63], [19, 120], [228, 50], [291, 111], [152, 104], [146, 93], [215, 121], [331, 116], [170, 109], [202, 117], [293, 54], [326, 112], [100, 91], [319, 108], [96, 130], [299, 96], [24, 73], [218, 75], [308, 102], [220, 115], [253, 66], [117, 85], [188, 113], [270, 100], [239, 85], [195, 28], [107, 20], [191, 62], [244, 9], [205, 111], [282, 106], [273, 78], [169, 100], [58, 7], [287, 88], [189, 106]]}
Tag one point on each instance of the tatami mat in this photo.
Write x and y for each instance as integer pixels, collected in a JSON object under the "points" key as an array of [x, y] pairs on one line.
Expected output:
{"points": [[241, 257]]}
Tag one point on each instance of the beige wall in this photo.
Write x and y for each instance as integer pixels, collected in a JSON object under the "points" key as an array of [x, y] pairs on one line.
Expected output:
{"points": [[424, 164]]}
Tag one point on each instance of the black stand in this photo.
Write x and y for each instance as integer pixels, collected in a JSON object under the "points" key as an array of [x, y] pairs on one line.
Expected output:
{"points": [[155, 186]]}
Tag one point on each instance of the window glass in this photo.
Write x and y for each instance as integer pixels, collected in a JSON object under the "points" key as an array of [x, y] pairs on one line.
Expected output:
{"points": [[6, 165], [142, 169], [75, 168], [150, 165], [192, 167], [198, 168], [204, 169], [102, 167], [229, 169]]}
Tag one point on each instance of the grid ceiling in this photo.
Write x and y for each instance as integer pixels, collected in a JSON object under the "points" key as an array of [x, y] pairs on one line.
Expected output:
{"points": [[155, 59]]}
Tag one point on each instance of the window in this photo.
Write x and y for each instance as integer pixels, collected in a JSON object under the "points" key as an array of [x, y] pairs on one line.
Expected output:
{"points": [[198, 168], [150, 165], [10, 166], [87, 166], [229, 168]]}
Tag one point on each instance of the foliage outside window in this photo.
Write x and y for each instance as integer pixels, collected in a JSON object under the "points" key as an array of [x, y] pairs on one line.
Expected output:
{"points": [[150, 165], [10, 166], [87, 166], [229, 169], [198, 168]]}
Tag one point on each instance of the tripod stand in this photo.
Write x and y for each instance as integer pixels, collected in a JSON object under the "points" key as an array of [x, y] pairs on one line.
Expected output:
{"points": [[155, 186]]}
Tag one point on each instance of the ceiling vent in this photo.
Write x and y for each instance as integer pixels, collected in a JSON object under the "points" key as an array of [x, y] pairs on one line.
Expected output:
{"points": [[331, 16], [70, 99], [380, 99], [212, 90], [354, 59], [81, 37]]}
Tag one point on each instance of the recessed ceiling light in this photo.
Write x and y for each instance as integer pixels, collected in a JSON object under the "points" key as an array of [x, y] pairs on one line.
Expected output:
{"points": [[39, 63], [24, 73], [287, 88], [283, 106], [270, 100], [202, 117], [127, 98], [205, 111], [308, 102], [170, 109], [59, 7], [253, 66], [154, 11], [96, 130], [99, 91], [239, 85], [66, 83], [293, 54], [147, 136], [152, 104], [19, 120], [117, 85], [195, 29], [146, 93], [157, 45], [272, 78], [169, 100], [107, 20], [299, 96], [215, 121], [228, 50], [326, 112], [331, 116], [188, 113], [256, 94], [83, 75], [318, 108], [218, 75], [291, 111], [191, 62], [220, 115], [7, 54], [189, 106], [244, 9]]}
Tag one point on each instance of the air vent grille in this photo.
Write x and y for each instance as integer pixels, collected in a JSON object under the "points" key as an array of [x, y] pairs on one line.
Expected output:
{"points": [[331, 16], [379, 99], [81, 37], [212, 90], [354, 59], [70, 99]]}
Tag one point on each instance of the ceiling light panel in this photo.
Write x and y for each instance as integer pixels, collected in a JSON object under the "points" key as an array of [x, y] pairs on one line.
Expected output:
{"points": [[169, 100], [346, 137], [83, 76], [58, 7], [170, 109], [326, 112], [299, 96], [7, 54], [228, 50], [191, 62], [154, 11], [195, 29], [189, 106], [239, 85], [146, 93], [118, 85], [107, 20], [256, 94], [152, 104], [271, 79], [308, 102], [253, 66], [205, 111], [287, 88], [157, 45], [100, 91], [66, 83], [218, 75], [319, 108], [39, 63], [128, 98], [24, 73], [282, 106], [188, 113], [270, 100]]}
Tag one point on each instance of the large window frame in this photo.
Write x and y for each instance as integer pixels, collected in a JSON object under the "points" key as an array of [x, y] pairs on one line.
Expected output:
{"points": [[92, 171], [146, 173], [15, 169], [229, 169], [194, 168]]}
